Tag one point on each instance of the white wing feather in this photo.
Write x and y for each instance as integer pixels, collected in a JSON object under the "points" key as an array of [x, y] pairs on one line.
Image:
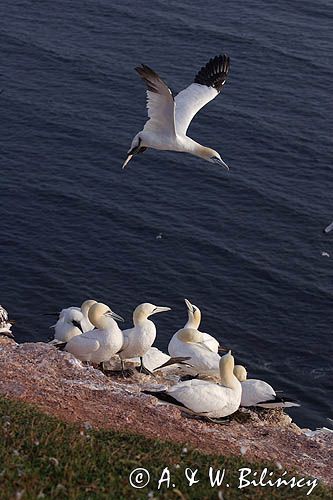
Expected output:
{"points": [[188, 102], [160, 103]]}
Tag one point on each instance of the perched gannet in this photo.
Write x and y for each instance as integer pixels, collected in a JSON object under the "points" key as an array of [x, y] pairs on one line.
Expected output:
{"points": [[201, 348], [72, 321], [5, 323], [259, 393], [139, 339], [170, 117], [194, 319], [69, 325], [201, 360], [206, 398], [101, 344]]}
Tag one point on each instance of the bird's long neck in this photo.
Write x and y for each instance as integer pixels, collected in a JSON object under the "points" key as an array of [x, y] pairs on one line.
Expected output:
{"points": [[192, 322]]}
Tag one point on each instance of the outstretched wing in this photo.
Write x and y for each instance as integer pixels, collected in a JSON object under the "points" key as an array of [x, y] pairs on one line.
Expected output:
{"points": [[207, 84], [160, 103]]}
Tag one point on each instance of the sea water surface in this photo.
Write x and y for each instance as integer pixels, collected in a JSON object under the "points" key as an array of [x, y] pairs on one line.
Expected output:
{"points": [[245, 246]]}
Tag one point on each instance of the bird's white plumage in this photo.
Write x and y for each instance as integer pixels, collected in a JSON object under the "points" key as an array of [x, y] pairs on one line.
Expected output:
{"points": [[188, 102], [169, 117], [258, 392], [153, 358], [206, 398], [65, 328], [161, 110], [100, 344], [139, 339], [5, 325], [200, 347]]}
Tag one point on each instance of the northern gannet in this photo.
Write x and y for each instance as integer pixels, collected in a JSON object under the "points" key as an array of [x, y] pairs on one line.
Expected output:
{"points": [[5, 323], [69, 325], [201, 348], [170, 117], [139, 339], [206, 398], [259, 393], [99, 345], [72, 321]]}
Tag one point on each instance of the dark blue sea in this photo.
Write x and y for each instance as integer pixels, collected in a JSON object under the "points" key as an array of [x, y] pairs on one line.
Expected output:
{"points": [[245, 246]]}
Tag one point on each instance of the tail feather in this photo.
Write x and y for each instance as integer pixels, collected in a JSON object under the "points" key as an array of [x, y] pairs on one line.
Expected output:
{"points": [[278, 402], [164, 396], [174, 361]]}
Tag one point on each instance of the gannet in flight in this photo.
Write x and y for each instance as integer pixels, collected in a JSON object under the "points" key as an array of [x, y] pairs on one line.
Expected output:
{"points": [[206, 398], [139, 339], [99, 345], [170, 117], [259, 393], [5, 323]]}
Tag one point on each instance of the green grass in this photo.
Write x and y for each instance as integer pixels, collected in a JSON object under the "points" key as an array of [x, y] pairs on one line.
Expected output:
{"points": [[43, 457]]}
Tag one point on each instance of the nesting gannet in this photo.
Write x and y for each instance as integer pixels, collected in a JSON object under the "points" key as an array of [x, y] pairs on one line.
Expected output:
{"points": [[140, 338], [5, 323], [72, 321], [170, 117], [206, 398], [101, 344], [259, 393], [69, 325], [201, 348]]}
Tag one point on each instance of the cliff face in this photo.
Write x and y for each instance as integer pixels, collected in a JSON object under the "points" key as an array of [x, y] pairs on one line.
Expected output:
{"points": [[58, 384]]}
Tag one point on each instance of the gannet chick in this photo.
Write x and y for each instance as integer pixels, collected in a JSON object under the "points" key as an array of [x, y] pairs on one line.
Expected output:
{"points": [[5, 323], [205, 398], [140, 338], [99, 345], [170, 117], [259, 393]]}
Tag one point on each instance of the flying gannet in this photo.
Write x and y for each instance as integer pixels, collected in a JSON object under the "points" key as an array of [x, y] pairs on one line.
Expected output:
{"points": [[139, 339], [205, 398], [259, 393], [99, 345], [5, 323], [170, 117]]}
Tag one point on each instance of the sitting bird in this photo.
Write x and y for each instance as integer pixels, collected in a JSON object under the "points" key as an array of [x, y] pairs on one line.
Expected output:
{"points": [[259, 393], [204, 398]]}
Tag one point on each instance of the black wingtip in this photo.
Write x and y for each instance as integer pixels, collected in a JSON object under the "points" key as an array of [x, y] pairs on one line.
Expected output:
{"points": [[215, 72]]}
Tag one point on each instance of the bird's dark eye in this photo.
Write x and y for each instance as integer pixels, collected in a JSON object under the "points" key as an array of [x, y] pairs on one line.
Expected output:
{"points": [[194, 309]]}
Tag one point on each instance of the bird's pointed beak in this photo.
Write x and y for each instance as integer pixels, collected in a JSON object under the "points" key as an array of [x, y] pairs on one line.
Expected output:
{"points": [[221, 162], [128, 159], [77, 324], [160, 309], [12, 321], [189, 305], [116, 316]]}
